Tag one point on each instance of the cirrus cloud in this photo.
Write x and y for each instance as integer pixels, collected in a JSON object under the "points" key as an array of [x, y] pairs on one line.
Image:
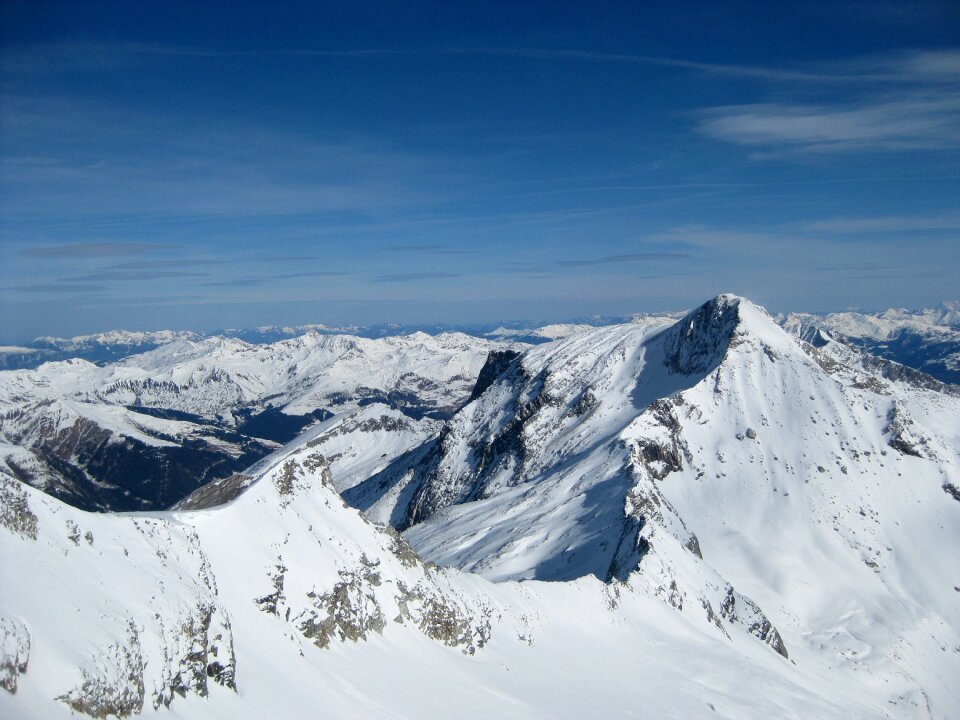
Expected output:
{"points": [[921, 121]]}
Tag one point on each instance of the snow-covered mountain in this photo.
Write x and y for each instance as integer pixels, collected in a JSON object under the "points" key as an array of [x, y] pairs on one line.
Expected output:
{"points": [[101, 347], [558, 331], [144, 432], [928, 340], [119, 344], [714, 518], [805, 476], [269, 597], [536, 335]]}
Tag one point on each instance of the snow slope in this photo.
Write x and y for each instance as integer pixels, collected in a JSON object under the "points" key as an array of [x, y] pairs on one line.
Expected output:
{"points": [[736, 523], [213, 377], [144, 432], [559, 331], [807, 479], [928, 340], [358, 444], [280, 601]]}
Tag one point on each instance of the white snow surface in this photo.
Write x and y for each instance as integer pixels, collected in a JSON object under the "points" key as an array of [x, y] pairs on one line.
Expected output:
{"points": [[214, 377], [358, 444], [780, 458], [113, 338], [559, 331], [928, 339], [707, 498], [554, 331], [883, 325], [144, 611]]}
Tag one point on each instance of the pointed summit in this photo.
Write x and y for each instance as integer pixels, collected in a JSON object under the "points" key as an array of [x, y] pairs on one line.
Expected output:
{"points": [[698, 342]]}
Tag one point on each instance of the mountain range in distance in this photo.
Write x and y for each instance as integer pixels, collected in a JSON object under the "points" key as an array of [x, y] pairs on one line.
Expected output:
{"points": [[927, 339], [722, 514]]}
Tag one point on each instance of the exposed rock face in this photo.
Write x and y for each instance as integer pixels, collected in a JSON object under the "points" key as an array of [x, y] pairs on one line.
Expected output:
{"points": [[349, 611], [196, 654], [214, 493], [367, 425], [698, 342], [15, 512], [632, 546], [14, 652], [740, 609], [497, 363], [297, 478], [660, 457], [401, 548], [435, 487], [902, 433], [272, 602], [112, 681], [443, 619], [902, 373], [503, 448]]}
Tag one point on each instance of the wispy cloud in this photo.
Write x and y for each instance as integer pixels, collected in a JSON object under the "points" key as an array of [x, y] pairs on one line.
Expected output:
{"points": [[193, 262], [921, 121], [925, 66], [843, 226], [128, 275], [906, 66], [57, 288], [149, 171], [416, 248], [155, 264], [237, 282], [628, 257], [863, 267], [94, 250], [256, 280], [414, 277], [284, 258], [310, 273], [431, 249], [523, 270], [897, 101]]}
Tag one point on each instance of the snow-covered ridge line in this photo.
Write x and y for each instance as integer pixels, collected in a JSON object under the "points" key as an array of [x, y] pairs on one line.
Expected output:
{"points": [[143, 432], [926, 340], [320, 611], [721, 437], [713, 494]]}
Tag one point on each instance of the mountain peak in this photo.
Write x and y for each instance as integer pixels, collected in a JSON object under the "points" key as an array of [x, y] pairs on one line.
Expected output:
{"points": [[698, 342]]}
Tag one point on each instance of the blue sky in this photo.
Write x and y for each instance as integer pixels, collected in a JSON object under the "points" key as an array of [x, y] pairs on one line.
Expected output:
{"points": [[168, 165]]}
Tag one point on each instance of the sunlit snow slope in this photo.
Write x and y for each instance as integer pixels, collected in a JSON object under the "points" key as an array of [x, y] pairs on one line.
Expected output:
{"points": [[928, 340], [735, 524], [143, 433], [803, 475], [285, 603]]}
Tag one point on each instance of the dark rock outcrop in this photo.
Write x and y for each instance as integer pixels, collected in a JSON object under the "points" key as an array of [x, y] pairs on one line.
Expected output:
{"points": [[497, 363], [697, 343]]}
